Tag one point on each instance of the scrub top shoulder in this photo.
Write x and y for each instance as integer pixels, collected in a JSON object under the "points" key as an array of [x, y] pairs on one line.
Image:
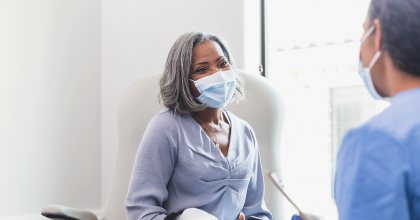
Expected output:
{"points": [[177, 167], [378, 165]]}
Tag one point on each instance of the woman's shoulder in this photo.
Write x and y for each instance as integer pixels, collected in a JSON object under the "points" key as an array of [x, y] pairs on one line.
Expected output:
{"points": [[165, 116], [164, 124], [168, 119]]}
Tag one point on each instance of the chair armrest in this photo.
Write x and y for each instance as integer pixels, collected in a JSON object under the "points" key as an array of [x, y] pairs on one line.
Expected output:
{"points": [[67, 213]]}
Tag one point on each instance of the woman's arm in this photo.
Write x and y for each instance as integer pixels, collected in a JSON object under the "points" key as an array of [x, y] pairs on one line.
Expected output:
{"points": [[155, 160], [254, 207]]}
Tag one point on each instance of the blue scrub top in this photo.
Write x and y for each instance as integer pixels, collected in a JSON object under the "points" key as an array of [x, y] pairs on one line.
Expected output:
{"points": [[378, 165], [178, 167]]}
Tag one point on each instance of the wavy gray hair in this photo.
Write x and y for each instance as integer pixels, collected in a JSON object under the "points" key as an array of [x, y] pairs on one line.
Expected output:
{"points": [[175, 91]]}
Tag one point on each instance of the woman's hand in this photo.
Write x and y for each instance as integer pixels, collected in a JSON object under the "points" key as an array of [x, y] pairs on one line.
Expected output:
{"points": [[241, 216]]}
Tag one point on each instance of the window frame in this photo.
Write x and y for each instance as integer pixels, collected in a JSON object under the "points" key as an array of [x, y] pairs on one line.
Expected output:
{"points": [[264, 46]]}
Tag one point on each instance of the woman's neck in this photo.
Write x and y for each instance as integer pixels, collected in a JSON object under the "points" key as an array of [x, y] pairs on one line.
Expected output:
{"points": [[211, 115]]}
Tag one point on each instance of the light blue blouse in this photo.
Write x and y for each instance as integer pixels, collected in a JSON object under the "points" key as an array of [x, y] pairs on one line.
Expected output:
{"points": [[378, 166], [178, 167]]}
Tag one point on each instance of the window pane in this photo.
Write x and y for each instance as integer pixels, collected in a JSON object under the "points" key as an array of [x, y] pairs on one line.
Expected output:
{"points": [[313, 56]]}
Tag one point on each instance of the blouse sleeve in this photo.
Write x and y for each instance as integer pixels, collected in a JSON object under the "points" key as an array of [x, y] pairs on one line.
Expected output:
{"points": [[153, 166], [254, 207]]}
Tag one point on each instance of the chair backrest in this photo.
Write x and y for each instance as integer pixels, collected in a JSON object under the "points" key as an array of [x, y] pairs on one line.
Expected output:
{"points": [[263, 110]]}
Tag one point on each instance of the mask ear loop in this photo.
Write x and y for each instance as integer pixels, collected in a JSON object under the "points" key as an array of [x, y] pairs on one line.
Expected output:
{"points": [[374, 59], [377, 54], [191, 79], [367, 34]]}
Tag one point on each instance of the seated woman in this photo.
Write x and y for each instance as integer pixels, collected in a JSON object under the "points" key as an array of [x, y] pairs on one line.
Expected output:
{"points": [[194, 153]]}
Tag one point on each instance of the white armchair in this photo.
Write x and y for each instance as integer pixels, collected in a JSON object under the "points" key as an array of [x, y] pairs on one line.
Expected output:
{"points": [[264, 111]]}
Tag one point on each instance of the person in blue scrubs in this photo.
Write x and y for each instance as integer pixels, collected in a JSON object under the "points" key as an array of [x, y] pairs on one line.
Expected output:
{"points": [[196, 158], [378, 165]]}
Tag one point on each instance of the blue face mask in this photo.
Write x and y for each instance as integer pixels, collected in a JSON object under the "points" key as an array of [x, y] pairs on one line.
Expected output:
{"points": [[216, 89], [364, 72]]}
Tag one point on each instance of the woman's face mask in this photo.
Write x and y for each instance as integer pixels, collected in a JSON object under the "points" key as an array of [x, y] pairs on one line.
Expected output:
{"points": [[364, 72], [217, 89]]}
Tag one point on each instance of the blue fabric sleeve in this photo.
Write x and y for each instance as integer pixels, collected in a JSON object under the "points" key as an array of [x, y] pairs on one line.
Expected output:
{"points": [[371, 177], [254, 207], [155, 160]]}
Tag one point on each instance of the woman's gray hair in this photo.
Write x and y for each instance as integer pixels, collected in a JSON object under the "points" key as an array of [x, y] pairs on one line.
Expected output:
{"points": [[175, 91]]}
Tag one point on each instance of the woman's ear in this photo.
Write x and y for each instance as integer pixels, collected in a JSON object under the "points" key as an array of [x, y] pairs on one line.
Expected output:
{"points": [[377, 35]]}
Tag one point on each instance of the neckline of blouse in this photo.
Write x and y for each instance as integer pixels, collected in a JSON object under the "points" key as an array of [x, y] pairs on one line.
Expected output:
{"points": [[230, 137]]}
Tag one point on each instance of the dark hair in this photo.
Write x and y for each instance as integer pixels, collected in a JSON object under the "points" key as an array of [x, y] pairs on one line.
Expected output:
{"points": [[400, 24]]}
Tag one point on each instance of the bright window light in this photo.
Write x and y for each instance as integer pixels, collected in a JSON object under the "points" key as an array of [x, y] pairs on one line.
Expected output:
{"points": [[313, 56]]}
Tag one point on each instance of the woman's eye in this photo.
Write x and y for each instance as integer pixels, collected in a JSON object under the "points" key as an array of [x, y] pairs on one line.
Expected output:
{"points": [[223, 64], [200, 70]]}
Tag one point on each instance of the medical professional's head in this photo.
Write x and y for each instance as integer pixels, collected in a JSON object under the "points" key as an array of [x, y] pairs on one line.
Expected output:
{"points": [[193, 56], [392, 28]]}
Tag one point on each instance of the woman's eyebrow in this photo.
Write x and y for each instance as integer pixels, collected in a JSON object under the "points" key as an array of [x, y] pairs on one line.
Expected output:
{"points": [[207, 62], [219, 58], [200, 63]]}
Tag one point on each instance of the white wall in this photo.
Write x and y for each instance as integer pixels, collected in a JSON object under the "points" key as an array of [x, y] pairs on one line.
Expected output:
{"points": [[50, 86], [49, 105], [136, 38], [252, 35]]}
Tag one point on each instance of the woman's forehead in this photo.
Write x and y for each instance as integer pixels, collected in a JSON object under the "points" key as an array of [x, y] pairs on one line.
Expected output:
{"points": [[207, 50]]}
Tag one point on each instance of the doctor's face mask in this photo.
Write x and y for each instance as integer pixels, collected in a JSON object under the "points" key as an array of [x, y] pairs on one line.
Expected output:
{"points": [[365, 73]]}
